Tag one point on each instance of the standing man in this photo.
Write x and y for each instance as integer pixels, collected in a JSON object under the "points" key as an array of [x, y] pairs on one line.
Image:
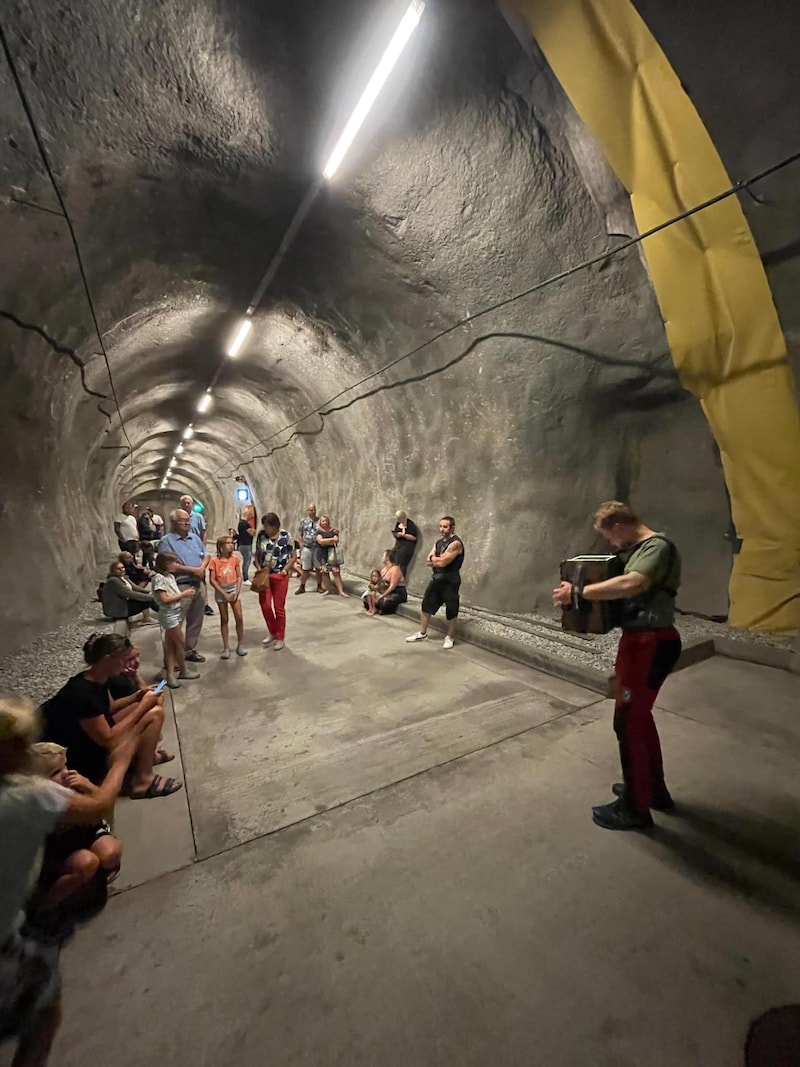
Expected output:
{"points": [[405, 534], [307, 536], [244, 534], [190, 572], [147, 534], [445, 561], [158, 522], [198, 524], [127, 529], [649, 648]]}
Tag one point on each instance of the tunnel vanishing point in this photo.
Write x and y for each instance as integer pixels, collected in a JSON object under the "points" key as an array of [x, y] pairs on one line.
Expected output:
{"points": [[512, 142]]}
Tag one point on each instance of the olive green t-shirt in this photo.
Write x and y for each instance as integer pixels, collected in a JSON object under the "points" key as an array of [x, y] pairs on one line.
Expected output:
{"points": [[658, 560]]}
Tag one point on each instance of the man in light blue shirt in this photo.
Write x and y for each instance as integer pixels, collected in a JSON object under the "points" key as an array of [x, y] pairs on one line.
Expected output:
{"points": [[190, 571]]}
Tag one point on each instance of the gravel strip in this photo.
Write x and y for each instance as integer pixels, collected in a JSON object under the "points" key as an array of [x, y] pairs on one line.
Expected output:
{"points": [[40, 670]]}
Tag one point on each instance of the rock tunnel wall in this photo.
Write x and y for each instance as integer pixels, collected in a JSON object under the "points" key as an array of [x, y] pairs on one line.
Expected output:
{"points": [[183, 135]]}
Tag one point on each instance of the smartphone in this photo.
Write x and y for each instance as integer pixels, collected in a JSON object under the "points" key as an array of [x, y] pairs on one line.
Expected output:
{"points": [[160, 686]]}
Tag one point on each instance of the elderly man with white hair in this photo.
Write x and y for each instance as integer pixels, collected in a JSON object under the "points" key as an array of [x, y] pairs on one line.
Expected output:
{"points": [[190, 571], [405, 534]]}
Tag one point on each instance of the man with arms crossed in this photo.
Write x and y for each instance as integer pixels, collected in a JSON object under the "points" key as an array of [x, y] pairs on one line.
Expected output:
{"points": [[649, 648], [445, 561], [198, 526], [190, 572], [307, 536]]}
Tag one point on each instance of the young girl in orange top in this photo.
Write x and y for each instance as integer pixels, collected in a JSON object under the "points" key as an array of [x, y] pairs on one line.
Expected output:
{"points": [[225, 575]]}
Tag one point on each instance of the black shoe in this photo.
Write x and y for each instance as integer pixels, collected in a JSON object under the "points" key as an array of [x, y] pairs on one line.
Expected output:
{"points": [[194, 657], [209, 610], [302, 589], [662, 801], [618, 816]]}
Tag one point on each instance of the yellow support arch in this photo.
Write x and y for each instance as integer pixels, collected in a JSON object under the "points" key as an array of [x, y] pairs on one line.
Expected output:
{"points": [[720, 319]]}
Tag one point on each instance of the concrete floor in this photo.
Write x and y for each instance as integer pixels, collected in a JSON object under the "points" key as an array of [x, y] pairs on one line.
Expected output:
{"points": [[396, 865]]}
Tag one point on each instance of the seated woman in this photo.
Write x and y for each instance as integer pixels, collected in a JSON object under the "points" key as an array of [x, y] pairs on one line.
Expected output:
{"points": [[88, 723], [121, 600], [396, 592], [136, 575]]}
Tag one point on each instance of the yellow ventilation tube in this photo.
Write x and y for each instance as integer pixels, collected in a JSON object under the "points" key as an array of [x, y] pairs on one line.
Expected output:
{"points": [[720, 320]]}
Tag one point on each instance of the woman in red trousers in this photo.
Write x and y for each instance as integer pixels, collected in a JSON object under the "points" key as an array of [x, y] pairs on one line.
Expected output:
{"points": [[275, 553]]}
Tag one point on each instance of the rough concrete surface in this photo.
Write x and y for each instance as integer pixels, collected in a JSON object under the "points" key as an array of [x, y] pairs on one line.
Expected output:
{"points": [[184, 134], [470, 913]]}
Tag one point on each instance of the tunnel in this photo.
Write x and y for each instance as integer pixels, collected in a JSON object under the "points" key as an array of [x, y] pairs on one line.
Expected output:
{"points": [[392, 362]]}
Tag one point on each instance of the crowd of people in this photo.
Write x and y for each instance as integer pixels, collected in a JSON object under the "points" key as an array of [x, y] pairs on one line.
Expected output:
{"points": [[63, 766]]}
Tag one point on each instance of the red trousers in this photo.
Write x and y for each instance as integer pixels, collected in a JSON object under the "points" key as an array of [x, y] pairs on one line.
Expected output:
{"points": [[644, 659], [273, 605]]}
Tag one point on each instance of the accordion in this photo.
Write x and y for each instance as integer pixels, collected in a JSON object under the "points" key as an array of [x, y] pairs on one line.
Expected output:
{"points": [[590, 616]]}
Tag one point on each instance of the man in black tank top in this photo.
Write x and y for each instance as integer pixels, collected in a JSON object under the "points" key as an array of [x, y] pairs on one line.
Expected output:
{"points": [[445, 561]]}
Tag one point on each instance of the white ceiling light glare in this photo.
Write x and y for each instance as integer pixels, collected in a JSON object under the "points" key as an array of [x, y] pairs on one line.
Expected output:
{"points": [[240, 338], [188, 433], [204, 403], [402, 36], [179, 449]]}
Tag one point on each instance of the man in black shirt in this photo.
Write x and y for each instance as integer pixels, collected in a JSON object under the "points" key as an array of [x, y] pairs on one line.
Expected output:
{"points": [[405, 534], [445, 561], [244, 536]]}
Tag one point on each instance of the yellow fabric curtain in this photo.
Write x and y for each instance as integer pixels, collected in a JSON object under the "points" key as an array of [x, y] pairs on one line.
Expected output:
{"points": [[720, 319]]}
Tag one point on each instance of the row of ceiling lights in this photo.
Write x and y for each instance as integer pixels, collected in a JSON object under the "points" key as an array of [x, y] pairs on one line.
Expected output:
{"points": [[401, 37]]}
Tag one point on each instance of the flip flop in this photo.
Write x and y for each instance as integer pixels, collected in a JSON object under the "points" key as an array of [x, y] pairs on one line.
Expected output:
{"points": [[159, 787], [162, 757]]}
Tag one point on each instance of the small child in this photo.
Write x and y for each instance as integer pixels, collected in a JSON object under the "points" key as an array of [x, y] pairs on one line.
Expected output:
{"points": [[170, 617], [374, 591], [225, 575], [75, 854]]}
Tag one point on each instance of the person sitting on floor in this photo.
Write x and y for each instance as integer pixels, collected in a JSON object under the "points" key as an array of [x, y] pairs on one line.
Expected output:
{"points": [[394, 593], [137, 575], [73, 855], [121, 600], [30, 809], [83, 718], [130, 681], [374, 589]]}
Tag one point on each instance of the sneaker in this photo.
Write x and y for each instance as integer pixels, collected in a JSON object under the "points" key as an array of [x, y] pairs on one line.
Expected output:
{"points": [[194, 657], [226, 654], [448, 642], [267, 640], [241, 650], [662, 801], [418, 636], [302, 589], [279, 645], [189, 675], [618, 816], [173, 683], [209, 610]]}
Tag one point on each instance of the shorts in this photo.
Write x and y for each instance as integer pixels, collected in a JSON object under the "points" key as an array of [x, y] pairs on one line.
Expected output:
{"points": [[30, 984], [441, 591], [308, 558], [61, 845], [220, 599], [169, 617]]}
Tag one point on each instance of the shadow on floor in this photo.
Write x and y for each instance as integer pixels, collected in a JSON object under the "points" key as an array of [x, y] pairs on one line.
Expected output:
{"points": [[751, 855], [774, 1038]]}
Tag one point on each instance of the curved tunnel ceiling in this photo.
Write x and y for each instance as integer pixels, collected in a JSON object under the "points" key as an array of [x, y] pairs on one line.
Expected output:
{"points": [[184, 134]]}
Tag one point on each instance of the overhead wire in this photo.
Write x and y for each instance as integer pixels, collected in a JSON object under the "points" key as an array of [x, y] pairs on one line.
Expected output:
{"points": [[602, 257], [68, 220]]}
